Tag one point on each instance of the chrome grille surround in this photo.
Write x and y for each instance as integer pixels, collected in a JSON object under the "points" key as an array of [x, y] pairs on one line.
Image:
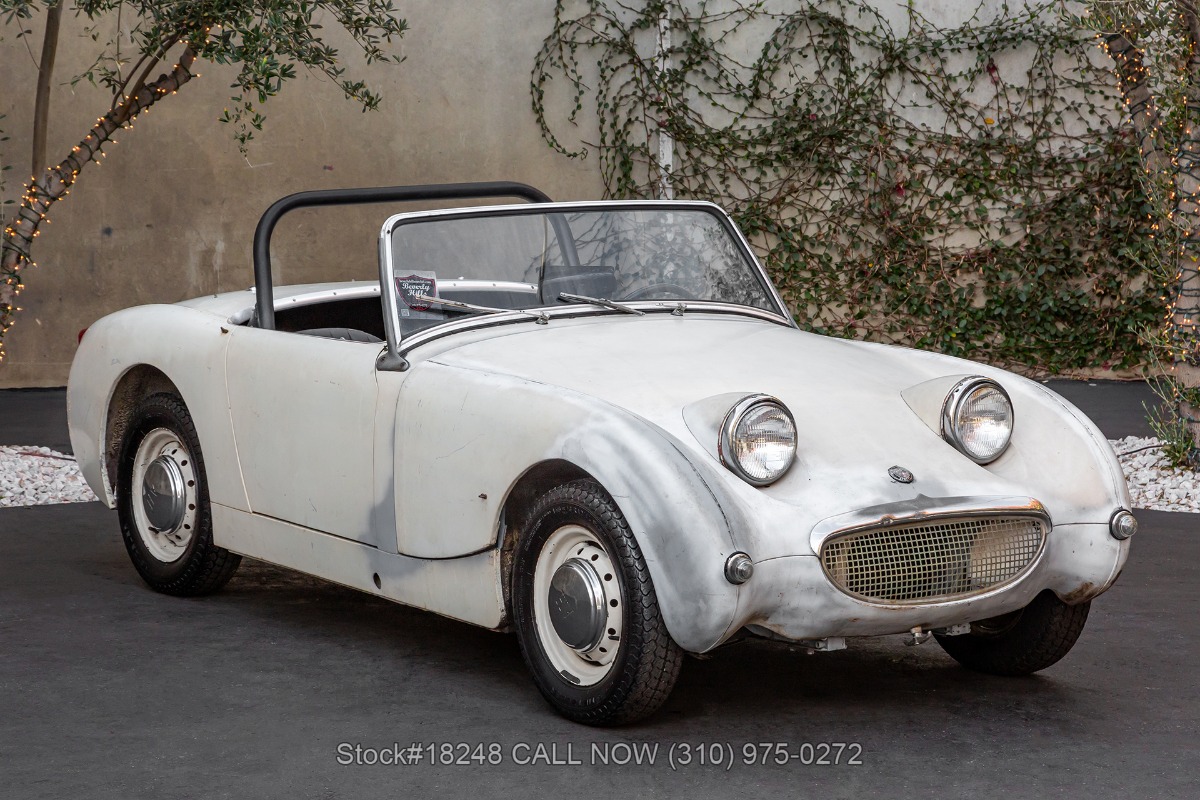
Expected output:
{"points": [[934, 559]]}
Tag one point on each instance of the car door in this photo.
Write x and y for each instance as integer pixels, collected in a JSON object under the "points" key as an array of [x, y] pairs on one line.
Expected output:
{"points": [[303, 413]]}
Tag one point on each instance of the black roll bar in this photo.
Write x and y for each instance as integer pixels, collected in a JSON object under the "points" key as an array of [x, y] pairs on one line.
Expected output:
{"points": [[264, 286]]}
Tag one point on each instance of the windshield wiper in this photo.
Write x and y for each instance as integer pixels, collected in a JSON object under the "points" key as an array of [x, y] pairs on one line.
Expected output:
{"points": [[542, 317], [597, 301]]}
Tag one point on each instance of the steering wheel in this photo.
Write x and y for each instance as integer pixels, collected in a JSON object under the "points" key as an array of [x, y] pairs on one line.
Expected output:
{"points": [[673, 291]]}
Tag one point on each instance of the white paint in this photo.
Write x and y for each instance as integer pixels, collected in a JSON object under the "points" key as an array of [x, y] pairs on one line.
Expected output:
{"points": [[467, 588], [188, 346], [351, 474], [303, 416]]}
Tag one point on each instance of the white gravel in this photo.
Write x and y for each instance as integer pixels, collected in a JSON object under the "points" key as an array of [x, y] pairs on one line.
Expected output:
{"points": [[38, 476], [1152, 482], [34, 476]]}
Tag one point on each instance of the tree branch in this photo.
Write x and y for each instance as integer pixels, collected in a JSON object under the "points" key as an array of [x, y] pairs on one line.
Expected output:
{"points": [[140, 83], [41, 104], [119, 92]]}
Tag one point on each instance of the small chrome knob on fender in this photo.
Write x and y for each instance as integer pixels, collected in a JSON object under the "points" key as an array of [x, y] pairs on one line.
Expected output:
{"points": [[738, 568], [1122, 525]]}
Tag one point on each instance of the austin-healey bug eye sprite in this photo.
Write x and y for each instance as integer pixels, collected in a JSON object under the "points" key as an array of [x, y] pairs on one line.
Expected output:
{"points": [[596, 424]]}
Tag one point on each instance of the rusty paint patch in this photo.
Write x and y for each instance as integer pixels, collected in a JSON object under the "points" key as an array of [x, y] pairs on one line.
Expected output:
{"points": [[1086, 591]]}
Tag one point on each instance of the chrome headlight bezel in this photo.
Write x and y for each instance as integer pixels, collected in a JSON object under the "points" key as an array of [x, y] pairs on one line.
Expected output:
{"points": [[952, 405], [729, 432]]}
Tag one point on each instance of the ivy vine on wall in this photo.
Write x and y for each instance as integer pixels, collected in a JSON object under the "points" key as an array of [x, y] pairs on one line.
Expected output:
{"points": [[964, 189]]}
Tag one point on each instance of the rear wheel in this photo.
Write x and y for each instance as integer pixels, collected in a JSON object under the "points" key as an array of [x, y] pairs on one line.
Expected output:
{"points": [[1022, 642], [162, 502], [586, 613]]}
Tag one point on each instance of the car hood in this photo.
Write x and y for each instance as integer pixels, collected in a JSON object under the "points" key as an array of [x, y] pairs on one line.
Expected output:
{"points": [[657, 364], [853, 422]]}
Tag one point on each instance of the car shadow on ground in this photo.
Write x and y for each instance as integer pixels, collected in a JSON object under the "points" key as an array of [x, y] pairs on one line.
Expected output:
{"points": [[753, 678]]}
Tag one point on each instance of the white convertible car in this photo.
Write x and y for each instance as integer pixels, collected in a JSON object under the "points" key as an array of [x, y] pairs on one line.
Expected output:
{"points": [[596, 424]]}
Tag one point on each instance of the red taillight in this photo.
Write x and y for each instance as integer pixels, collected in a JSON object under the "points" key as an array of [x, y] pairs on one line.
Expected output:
{"points": [[80, 339]]}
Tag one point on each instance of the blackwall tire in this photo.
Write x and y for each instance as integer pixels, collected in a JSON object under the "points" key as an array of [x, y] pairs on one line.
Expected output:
{"points": [[1022, 643], [161, 479], [627, 669]]}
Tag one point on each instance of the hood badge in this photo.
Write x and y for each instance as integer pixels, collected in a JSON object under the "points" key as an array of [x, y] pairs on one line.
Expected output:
{"points": [[900, 474]]}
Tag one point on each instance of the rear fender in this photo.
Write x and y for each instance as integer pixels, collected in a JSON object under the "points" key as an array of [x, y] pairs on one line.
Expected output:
{"points": [[184, 345]]}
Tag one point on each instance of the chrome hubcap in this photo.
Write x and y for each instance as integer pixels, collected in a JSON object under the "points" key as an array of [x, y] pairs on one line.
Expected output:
{"points": [[163, 493], [577, 605], [163, 496]]}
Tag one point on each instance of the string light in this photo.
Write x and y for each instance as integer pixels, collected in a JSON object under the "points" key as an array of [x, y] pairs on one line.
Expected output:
{"points": [[1181, 336], [40, 194]]}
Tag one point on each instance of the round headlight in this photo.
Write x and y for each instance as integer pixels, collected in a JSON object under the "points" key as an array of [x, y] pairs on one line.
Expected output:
{"points": [[978, 419], [758, 439]]}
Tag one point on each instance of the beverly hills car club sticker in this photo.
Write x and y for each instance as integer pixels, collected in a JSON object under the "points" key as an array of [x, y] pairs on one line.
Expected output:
{"points": [[410, 288]]}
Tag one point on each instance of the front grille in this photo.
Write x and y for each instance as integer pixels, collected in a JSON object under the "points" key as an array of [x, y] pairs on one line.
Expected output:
{"points": [[918, 561]]}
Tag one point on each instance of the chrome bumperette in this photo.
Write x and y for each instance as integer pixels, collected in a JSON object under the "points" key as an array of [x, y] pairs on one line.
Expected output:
{"points": [[933, 561], [739, 568], [1122, 524]]}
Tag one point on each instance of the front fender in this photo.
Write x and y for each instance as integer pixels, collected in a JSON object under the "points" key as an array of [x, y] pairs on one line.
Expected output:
{"points": [[465, 437]]}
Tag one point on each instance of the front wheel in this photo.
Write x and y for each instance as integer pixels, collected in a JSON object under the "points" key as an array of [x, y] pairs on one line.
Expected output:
{"points": [[1022, 642], [162, 502], [586, 613]]}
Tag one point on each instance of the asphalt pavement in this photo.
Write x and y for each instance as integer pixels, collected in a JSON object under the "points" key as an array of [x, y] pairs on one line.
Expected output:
{"points": [[34, 416], [109, 690]]}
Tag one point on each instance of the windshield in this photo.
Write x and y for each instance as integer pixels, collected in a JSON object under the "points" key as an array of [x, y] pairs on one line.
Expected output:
{"points": [[529, 258]]}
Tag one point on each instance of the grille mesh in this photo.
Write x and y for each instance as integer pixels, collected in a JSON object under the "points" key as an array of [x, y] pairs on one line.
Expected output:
{"points": [[914, 562]]}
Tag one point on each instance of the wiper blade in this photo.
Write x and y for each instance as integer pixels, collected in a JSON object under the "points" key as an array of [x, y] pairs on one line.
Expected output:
{"points": [[597, 301], [456, 304], [542, 317]]}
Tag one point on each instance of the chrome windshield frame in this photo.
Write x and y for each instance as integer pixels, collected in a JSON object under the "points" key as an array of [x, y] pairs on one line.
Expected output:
{"points": [[395, 348]]}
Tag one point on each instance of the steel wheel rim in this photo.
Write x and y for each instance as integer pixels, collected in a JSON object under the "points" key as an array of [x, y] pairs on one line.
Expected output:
{"points": [[590, 664], [161, 458]]}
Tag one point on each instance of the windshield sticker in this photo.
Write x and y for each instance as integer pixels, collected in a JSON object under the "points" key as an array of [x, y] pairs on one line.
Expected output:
{"points": [[412, 289]]}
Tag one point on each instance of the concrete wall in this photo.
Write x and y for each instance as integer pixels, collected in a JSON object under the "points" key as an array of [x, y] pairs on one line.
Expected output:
{"points": [[171, 212]]}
